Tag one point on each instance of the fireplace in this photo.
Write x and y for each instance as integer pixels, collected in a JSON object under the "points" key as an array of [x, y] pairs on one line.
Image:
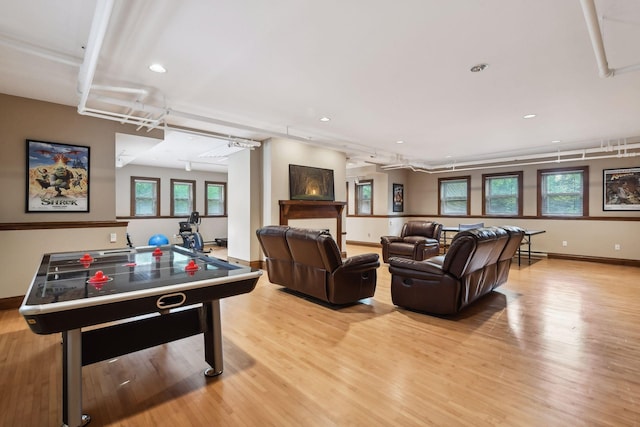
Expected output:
{"points": [[308, 209]]}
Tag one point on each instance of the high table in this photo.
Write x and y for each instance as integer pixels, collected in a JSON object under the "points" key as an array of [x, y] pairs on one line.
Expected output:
{"points": [[446, 230], [162, 293], [525, 241]]}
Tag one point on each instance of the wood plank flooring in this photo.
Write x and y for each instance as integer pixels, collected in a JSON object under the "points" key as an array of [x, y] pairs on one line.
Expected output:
{"points": [[558, 345]]}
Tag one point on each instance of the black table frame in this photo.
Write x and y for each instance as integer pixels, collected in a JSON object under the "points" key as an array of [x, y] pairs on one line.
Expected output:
{"points": [[142, 322], [526, 240], [82, 348]]}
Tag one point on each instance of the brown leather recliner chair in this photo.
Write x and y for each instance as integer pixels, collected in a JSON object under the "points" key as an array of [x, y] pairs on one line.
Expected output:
{"points": [[418, 240], [477, 262], [308, 261]]}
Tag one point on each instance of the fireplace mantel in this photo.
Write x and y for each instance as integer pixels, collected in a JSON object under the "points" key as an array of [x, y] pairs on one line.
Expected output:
{"points": [[306, 209]]}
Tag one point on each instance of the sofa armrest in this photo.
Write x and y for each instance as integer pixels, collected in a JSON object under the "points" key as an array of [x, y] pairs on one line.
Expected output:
{"points": [[364, 260], [420, 240], [390, 239], [411, 268], [354, 280]]}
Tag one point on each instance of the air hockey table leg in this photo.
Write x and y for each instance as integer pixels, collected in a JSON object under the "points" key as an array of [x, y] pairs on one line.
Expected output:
{"points": [[212, 338], [72, 380]]}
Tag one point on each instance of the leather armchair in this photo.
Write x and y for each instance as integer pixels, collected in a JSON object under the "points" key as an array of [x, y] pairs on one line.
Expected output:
{"points": [[418, 240], [309, 261]]}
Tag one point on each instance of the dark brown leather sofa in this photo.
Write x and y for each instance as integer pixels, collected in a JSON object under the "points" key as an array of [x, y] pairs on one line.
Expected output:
{"points": [[418, 240], [477, 262], [308, 261]]}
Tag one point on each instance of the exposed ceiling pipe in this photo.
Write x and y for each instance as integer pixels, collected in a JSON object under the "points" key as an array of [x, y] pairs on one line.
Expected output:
{"points": [[554, 154], [541, 162], [204, 119], [147, 117], [556, 157], [121, 89], [99, 25], [133, 105], [233, 141], [593, 26], [122, 118], [142, 93]]}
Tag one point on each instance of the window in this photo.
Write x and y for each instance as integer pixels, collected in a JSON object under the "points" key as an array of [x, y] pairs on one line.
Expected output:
{"points": [[183, 200], [563, 192], [502, 194], [454, 195], [347, 193], [145, 196], [364, 197], [216, 197]]}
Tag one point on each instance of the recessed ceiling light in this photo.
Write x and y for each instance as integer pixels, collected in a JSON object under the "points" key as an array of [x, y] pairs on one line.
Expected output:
{"points": [[399, 142], [528, 116], [157, 68], [325, 119], [555, 141], [479, 67], [447, 157]]}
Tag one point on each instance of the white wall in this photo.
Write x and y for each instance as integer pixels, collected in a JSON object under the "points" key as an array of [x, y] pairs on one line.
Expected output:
{"points": [[244, 203]]}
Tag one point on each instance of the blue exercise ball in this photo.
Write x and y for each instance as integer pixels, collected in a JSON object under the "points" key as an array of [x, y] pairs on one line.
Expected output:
{"points": [[158, 240]]}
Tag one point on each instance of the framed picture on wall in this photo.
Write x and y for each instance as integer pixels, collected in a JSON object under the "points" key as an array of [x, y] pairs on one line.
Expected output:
{"points": [[621, 190], [398, 197], [308, 183], [57, 177]]}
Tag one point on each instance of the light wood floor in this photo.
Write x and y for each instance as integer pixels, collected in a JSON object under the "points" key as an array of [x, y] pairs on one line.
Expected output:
{"points": [[558, 345]]}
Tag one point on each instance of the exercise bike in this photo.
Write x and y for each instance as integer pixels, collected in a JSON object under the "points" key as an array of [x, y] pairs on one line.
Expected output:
{"points": [[192, 239]]}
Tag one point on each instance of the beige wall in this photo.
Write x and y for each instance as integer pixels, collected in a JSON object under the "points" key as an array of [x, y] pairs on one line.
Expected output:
{"points": [[423, 187], [23, 119], [594, 237], [21, 250], [277, 155], [141, 229]]}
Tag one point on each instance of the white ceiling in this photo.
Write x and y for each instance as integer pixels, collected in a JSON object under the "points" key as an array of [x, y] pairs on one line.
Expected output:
{"points": [[382, 71]]}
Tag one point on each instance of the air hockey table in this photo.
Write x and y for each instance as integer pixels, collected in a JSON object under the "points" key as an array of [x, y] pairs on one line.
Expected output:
{"points": [[130, 299]]}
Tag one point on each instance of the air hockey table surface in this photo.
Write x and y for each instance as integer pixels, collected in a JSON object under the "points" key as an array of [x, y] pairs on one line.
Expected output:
{"points": [[77, 289]]}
